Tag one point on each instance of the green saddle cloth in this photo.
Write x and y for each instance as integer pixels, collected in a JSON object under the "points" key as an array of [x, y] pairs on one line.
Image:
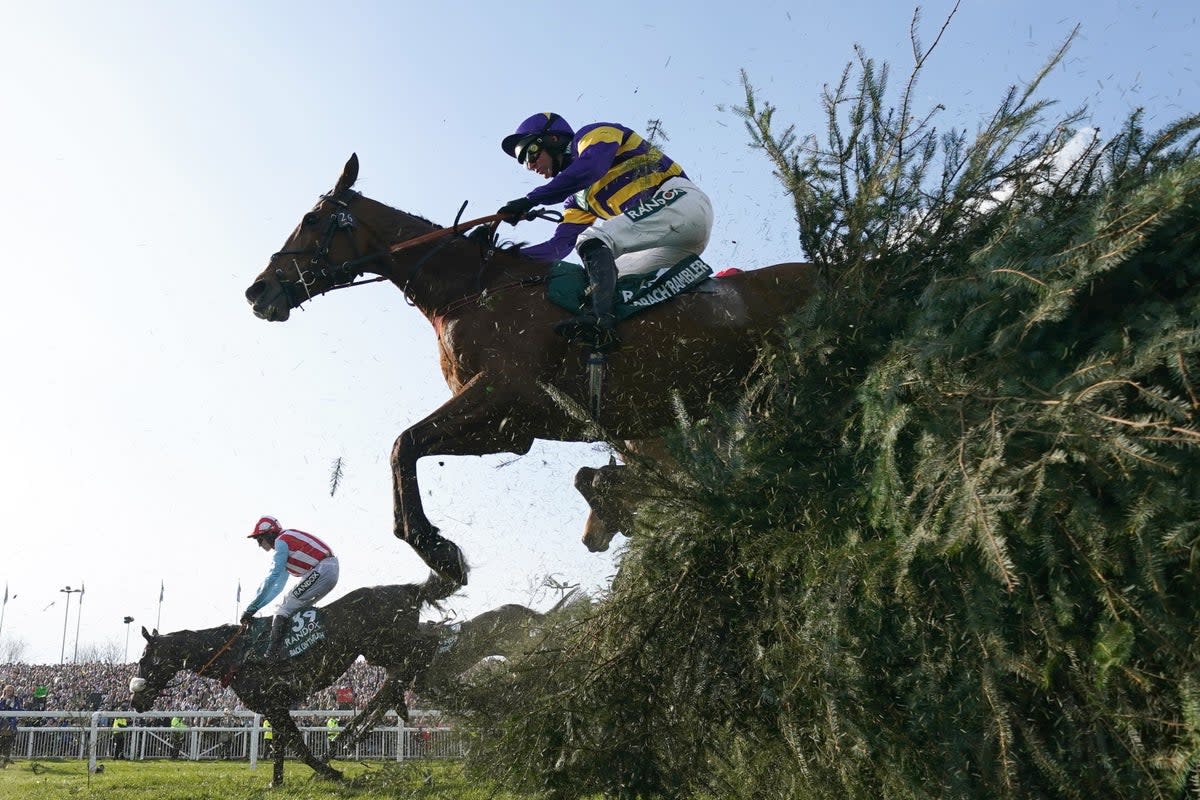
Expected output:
{"points": [[306, 629], [566, 286]]}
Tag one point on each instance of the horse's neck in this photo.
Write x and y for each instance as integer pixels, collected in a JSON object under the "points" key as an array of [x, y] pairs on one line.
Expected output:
{"points": [[438, 274], [199, 651]]}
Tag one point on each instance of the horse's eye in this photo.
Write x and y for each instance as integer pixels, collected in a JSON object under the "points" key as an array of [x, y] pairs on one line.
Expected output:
{"points": [[309, 220]]}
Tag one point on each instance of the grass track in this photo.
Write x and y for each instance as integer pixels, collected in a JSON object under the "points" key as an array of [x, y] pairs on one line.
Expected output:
{"points": [[232, 780]]}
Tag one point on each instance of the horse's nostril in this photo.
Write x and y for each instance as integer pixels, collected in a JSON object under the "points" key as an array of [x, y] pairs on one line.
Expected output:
{"points": [[255, 291]]}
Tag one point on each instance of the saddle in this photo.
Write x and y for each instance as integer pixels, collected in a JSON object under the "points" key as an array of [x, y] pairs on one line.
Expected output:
{"points": [[566, 286], [308, 627]]}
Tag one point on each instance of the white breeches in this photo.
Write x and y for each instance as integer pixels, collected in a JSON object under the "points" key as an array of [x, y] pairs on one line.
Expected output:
{"points": [[311, 588], [675, 223]]}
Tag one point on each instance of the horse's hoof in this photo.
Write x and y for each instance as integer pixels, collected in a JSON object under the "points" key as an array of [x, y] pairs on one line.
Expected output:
{"points": [[443, 557]]}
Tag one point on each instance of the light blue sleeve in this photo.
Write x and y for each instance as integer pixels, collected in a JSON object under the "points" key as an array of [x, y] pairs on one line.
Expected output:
{"points": [[273, 583]]}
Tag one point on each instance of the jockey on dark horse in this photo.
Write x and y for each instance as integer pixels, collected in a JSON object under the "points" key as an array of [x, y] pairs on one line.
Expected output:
{"points": [[629, 209], [302, 555]]}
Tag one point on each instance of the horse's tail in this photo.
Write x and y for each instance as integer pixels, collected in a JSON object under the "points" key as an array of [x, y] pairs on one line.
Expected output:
{"points": [[435, 589]]}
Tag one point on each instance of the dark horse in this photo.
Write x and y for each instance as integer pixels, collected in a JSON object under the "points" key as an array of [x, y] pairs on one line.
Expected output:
{"points": [[506, 367], [381, 623], [509, 631]]}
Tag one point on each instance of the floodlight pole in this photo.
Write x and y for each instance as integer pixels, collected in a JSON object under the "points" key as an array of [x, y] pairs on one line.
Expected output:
{"points": [[68, 591], [128, 620], [78, 618]]}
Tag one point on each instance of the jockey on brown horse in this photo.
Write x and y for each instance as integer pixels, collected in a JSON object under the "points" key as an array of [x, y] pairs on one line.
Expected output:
{"points": [[508, 371], [629, 209]]}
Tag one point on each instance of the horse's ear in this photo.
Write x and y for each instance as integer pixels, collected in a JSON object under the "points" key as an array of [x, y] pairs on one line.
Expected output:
{"points": [[146, 634], [349, 175]]}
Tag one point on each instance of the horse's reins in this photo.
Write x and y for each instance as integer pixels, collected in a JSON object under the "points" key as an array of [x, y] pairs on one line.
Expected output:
{"points": [[494, 220], [222, 649], [439, 233]]}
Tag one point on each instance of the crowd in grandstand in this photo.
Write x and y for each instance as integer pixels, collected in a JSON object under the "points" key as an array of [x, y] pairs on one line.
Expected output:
{"points": [[98, 685]]}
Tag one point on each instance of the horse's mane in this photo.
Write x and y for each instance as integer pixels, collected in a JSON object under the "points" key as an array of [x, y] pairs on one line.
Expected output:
{"points": [[480, 235], [226, 630], [409, 214]]}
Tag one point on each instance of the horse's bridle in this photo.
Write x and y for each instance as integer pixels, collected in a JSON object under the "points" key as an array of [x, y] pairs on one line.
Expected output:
{"points": [[171, 683], [341, 276]]}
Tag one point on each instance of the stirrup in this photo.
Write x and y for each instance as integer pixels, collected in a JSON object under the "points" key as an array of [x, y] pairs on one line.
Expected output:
{"points": [[586, 330]]}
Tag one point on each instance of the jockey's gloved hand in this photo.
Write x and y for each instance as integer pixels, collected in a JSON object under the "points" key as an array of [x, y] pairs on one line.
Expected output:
{"points": [[514, 210], [247, 617]]}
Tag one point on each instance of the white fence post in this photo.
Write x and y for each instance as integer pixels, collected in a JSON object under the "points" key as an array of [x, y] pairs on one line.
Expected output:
{"points": [[91, 746], [255, 732], [400, 739]]}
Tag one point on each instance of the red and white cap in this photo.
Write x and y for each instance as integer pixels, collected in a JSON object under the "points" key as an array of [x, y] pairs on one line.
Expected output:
{"points": [[266, 526]]}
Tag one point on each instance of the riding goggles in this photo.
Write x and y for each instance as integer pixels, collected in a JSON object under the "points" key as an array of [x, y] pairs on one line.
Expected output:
{"points": [[528, 149]]}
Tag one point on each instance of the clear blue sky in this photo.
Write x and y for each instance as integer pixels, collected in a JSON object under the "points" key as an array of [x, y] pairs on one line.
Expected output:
{"points": [[156, 153]]}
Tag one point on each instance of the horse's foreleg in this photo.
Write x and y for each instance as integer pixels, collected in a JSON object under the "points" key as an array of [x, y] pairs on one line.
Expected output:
{"points": [[279, 744], [481, 419]]}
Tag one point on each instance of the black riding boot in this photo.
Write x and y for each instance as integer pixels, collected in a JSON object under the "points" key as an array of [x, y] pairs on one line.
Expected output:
{"points": [[598, 329], [279, 626]]}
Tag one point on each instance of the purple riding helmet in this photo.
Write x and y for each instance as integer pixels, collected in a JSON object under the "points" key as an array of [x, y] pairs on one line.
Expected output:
{"points": [[545, 131]]}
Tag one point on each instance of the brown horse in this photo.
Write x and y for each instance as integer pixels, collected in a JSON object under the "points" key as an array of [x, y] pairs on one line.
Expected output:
{"points": [[507, 369]]}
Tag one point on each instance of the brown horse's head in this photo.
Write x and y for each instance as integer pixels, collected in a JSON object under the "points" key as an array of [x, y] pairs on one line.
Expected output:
{"points": [[326, 249]]}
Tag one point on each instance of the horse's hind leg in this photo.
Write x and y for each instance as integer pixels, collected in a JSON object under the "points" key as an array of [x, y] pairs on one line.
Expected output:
{"points": [[279, 748], [481, 419], [280, 751], [292, 733], [319, 766]]}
